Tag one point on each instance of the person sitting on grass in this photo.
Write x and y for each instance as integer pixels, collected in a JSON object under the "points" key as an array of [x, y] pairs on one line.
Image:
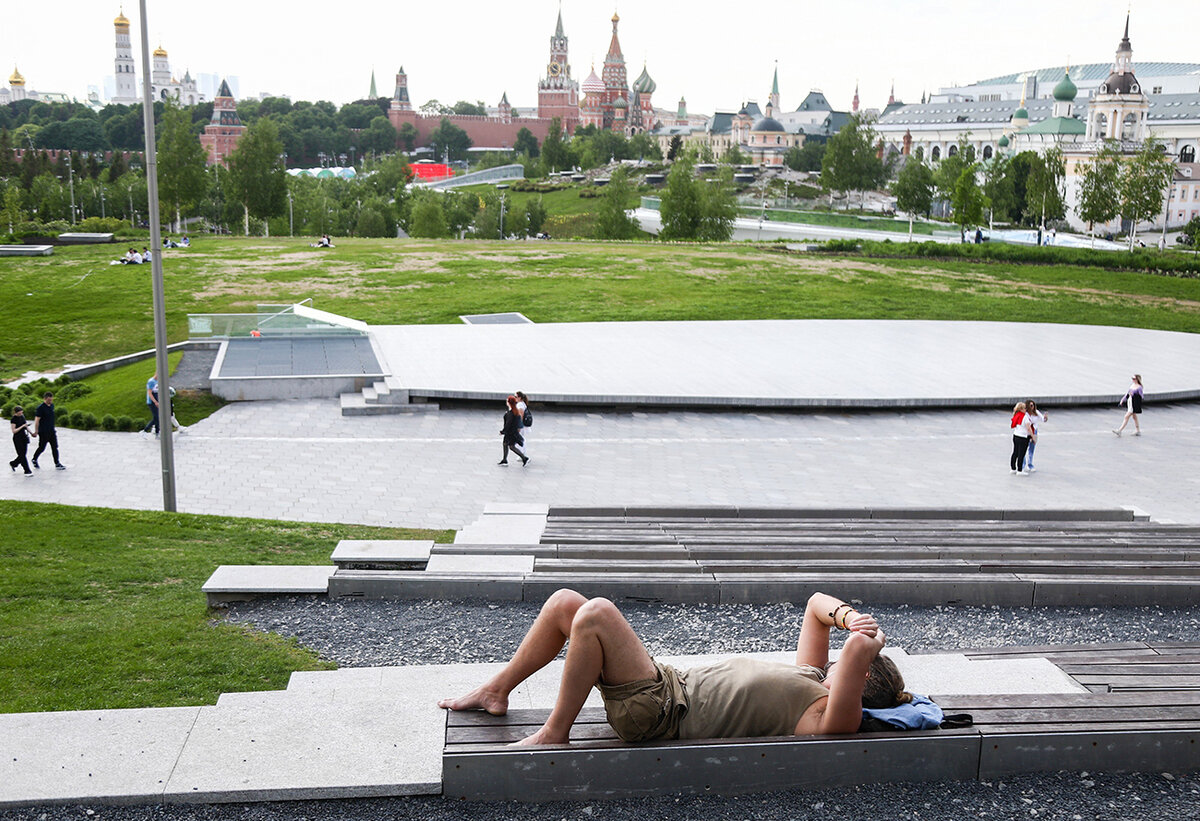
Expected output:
{"points": [[646, 700]]}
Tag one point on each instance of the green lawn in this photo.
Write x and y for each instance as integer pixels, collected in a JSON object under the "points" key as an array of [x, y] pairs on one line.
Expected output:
{"points": [[848, 221], [74, 307], [102, 608], [122, 392]]}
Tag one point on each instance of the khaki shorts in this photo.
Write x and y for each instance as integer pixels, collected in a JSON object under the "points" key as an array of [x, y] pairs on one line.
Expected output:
{"points": [[647, 709]]}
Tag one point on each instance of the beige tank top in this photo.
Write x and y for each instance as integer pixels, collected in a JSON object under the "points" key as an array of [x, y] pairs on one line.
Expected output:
{"points": [[746, 698]]}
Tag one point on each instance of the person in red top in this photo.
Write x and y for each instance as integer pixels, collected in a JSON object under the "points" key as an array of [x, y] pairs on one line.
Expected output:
{"points": [[1022, 434]]}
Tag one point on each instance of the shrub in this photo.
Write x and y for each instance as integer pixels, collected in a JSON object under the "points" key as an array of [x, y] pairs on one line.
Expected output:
{"points": [[126, 423], [1144, 260], [108, 422], [88, 421], [73, 390], [101, 225], [75, 418], [590, 193]]}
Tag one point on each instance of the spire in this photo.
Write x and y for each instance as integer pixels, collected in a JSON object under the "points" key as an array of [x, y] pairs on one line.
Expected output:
{"points": [[892, 94], [854, 105], [558, 30], [372, 94], [775, 80], [504, 99], [224, 91], [614, 45]]}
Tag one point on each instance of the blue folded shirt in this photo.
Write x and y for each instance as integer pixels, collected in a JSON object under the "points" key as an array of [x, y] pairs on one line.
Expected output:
{"points": [[918, 714]]}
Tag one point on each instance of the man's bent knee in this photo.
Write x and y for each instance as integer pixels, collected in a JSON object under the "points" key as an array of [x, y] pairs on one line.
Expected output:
{"points": [[596, 613]]}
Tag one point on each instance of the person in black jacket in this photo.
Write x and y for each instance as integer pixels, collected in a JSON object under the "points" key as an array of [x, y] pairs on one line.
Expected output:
{"points": [[511, 431], [20, 434]]}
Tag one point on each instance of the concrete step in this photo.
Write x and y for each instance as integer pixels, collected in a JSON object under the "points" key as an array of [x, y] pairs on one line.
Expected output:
{"points": [[354, 404]]}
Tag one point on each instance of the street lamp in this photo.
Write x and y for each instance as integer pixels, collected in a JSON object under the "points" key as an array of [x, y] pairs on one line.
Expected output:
{"points": [[501, 216], [71, 183], [291, 232]]}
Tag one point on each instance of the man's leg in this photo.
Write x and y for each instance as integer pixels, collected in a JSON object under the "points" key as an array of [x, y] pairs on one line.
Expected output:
{"points": [[54, 447], [603, 646], [41, 447], [540, 646]]}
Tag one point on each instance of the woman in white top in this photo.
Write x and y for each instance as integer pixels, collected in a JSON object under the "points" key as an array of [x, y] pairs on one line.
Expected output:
{"points": [[1036, 418]]}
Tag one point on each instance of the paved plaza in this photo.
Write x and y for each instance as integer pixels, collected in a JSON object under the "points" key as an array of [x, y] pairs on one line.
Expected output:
{"points": [[301, 460], [789, 363]]}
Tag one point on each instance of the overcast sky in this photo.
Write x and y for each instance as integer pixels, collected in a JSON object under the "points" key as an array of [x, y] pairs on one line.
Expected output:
{"points": [[714, 53]]}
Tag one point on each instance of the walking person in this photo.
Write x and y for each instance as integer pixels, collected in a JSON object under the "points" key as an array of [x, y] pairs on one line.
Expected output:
{"points": [[1022, 435], [152, 404], [1133, 402], [1036, 418], [526, 418], [43, 429], [20, 434], [511, 431]]}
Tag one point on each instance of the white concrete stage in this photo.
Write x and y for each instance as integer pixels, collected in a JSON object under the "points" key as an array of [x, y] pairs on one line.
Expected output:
{"points": [[791, 363]]}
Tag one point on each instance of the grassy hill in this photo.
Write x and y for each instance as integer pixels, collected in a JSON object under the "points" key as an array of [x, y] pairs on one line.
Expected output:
{"points": [[74, 307]]}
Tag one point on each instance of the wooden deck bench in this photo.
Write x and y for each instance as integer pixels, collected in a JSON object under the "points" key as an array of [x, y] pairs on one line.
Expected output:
{"points": [[1142, 716]]}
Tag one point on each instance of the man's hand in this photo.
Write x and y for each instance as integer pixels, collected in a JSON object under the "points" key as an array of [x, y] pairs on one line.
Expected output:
{"points": [[863, 623]]}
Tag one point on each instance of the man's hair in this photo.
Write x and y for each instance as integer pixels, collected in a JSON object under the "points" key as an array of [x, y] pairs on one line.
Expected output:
{"points": [[884, 686], [47, 395]]}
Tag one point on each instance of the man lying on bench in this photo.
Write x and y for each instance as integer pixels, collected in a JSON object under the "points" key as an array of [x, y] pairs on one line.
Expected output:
{"points": [[737, 698]]}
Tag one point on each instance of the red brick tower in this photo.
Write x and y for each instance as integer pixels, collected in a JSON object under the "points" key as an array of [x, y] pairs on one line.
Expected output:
{"points": [[221, 135], [558, 94]]}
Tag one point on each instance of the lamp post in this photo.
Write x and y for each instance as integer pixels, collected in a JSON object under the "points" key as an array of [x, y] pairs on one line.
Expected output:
{"points": [[71, 185], [501, 216], [160, 310], [291, 231], [102, 214]]}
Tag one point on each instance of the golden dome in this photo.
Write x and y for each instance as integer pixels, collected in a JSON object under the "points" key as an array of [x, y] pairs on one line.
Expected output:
{"points": [[160, 51], [15, 79], [121, 20], [616, 18]]}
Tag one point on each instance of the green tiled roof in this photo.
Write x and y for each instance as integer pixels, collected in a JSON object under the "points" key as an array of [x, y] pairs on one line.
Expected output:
{"points": [[1057, 125]]}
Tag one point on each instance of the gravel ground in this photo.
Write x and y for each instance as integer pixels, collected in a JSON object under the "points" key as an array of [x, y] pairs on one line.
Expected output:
{"points": [[375, 633]]}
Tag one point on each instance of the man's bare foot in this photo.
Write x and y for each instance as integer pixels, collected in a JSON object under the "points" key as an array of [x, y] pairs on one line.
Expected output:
{"points": [[478, 699], [540, 737]]}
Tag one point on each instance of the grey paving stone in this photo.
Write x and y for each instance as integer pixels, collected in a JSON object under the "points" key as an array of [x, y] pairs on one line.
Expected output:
{"points": [[472, 564], [271, 750], [382, 552], [115, 756]]}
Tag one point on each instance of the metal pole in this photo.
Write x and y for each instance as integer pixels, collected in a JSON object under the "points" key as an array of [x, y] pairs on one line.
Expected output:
{"points": [[71, 183], [160, 308]]}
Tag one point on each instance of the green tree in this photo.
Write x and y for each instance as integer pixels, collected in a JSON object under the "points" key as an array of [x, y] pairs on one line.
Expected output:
{"points": [[12, 215], [998, 188], [697, 209], [642, 146], [374, 220], [256, 174], [1100, 188], [526, 143], [379, 136], [1045, 198], [448, 140], [478, 109], [914, 190], [612, 222], [674, 148], [735, 156], [428, 217], [535, 215], [407, 137], [554, 149], [1144, 181], [968, 201], [807, 157], [1192, 230], [181, 178], [851, 161]]}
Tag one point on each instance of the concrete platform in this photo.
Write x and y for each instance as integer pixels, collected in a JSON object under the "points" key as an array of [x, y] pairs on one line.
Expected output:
{"points": [[237, 582], [345, 733], [26, 250], [400, 554], [790, 363]]}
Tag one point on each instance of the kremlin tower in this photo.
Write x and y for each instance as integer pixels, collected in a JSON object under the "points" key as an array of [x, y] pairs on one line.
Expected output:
{"points": [[558, 94], [221, 135], [126, 71]]}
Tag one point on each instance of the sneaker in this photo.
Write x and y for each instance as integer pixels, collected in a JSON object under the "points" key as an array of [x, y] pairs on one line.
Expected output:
{"points": [[14, 467], [503, 462], [1137, 433], [1021, 473], [60, 467], [36, 465], [1013, 470], [1030, 469], [1117, 432], [524, 461], [29, 473]]}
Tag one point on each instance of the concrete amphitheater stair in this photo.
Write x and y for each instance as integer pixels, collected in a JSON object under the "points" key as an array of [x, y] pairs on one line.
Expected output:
{"points": [[721, 555], [382, 397]]}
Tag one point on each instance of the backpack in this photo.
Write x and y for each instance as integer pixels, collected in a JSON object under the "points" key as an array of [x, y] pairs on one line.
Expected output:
{"points": [[527, 419]]}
